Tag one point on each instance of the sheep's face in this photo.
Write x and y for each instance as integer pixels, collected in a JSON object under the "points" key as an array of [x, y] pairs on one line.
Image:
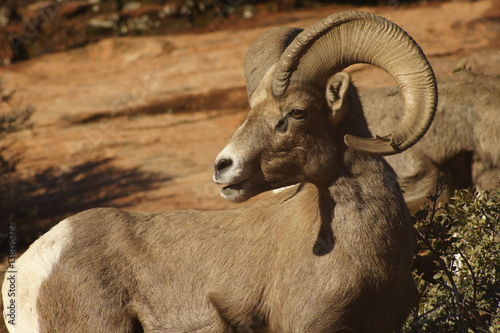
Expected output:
{"points": [[281, 142]]}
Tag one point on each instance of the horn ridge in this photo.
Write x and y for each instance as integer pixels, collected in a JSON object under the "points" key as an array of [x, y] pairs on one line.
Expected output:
{"points": [[264, 52]]}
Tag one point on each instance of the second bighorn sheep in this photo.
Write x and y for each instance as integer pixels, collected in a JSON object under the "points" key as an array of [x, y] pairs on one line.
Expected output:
{"points": [[462, 144], [331, 255]]}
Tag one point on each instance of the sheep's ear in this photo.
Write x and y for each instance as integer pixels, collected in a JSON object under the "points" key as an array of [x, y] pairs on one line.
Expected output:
{"points": [[336, 90]]}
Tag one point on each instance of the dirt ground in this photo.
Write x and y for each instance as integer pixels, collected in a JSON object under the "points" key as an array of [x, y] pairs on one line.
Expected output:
{"points": [[136, 122]]}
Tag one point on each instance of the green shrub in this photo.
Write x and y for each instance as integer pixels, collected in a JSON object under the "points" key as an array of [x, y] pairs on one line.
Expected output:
{"points": [[457, 265]]}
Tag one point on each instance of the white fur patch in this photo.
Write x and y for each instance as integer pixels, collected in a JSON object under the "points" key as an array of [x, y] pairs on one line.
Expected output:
{"points": [[281, 189], [30, 271]]}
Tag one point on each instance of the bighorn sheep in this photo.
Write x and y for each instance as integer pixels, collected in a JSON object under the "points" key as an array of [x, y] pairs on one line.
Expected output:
{"points": [[330, 255], [462, 144]]}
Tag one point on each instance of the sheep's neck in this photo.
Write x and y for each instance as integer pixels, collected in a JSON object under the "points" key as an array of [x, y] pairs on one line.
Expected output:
{"points": [[366, 215]]}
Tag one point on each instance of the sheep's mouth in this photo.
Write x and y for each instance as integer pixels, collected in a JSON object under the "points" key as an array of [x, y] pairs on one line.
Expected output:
{"points": [[243, 188], [236, 186], [237, 192]]}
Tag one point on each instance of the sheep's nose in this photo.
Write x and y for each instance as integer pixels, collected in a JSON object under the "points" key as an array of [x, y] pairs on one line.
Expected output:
{"points": [[222, 164]]}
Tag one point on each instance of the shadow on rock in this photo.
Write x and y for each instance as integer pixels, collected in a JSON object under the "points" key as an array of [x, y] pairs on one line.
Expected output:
{"points": [[35, 205]]}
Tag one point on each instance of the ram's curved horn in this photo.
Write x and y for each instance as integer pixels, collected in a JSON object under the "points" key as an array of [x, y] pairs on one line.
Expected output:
{"points": [[342, 39], [264, 52]]}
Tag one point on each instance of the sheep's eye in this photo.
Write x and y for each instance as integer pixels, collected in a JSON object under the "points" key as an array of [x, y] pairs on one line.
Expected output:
{"points": [[298, 114]]}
